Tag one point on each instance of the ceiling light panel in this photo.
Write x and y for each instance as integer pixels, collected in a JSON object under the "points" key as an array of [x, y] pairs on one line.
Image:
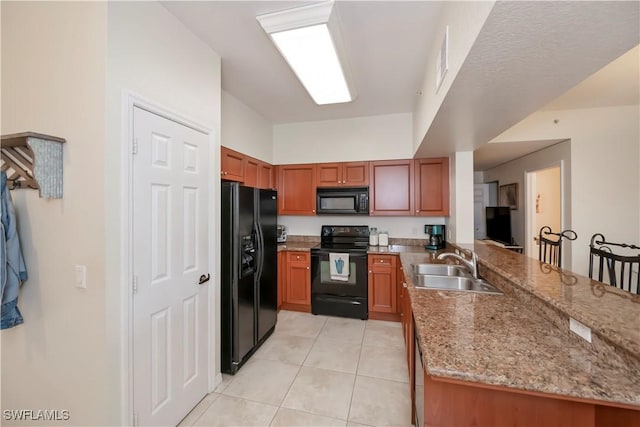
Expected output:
{"points": [[303, 37]]}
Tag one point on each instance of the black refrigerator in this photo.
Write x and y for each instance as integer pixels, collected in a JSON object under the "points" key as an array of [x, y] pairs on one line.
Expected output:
{"points": [[249, 271]]}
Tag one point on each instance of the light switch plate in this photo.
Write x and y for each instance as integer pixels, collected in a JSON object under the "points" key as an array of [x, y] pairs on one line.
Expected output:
{"points": [[81, 276], [579, 329]]}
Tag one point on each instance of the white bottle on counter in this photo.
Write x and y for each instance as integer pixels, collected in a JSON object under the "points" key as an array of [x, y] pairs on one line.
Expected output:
{"points": [[383, 238], [373, 237]]}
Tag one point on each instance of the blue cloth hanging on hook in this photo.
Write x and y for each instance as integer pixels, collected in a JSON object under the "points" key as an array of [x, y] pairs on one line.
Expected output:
{"points": [[13, 270]]}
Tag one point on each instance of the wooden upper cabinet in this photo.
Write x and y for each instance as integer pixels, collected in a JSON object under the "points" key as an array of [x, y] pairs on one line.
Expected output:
{"points": [[391, 190], [251, 172], [349, 174], [265, 176], [235, 166], [355, 174], [297, 189], [231, 165], [432, 186]]}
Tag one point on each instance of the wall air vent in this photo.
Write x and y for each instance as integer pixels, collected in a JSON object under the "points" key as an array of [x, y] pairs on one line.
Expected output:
{"points": [[442, 62]]}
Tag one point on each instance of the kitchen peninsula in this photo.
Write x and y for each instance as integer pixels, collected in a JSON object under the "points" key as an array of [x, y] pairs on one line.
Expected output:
{"points": [[510, 359], [494, 360]]}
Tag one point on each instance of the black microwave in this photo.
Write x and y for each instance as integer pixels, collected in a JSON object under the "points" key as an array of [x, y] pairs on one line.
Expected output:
{"points": [[342, 201]]}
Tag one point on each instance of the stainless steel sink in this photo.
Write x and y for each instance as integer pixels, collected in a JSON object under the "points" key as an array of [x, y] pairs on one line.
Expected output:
{"points": [[440, 270], [454, 283]]}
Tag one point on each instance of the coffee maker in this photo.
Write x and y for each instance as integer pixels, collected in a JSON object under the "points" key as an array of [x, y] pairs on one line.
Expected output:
{"points": [[435, 237]]}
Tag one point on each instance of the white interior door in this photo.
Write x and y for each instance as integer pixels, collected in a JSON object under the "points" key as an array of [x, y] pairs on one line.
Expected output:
{"points": [[170, 253]]}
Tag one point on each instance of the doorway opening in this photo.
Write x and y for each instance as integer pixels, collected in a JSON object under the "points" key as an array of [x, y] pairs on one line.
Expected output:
{"points": [[543, 205]]}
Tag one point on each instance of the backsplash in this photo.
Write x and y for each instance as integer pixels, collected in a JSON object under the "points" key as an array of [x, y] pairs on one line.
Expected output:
{"points": [[408, 227], [292, 238]]}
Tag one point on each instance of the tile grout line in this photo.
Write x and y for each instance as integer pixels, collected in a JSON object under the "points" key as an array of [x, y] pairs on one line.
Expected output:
{"points": [[353, 390], [298, 373]]}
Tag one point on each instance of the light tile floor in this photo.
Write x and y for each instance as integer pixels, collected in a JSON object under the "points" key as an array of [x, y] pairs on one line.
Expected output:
{"points": [[316, 371]]}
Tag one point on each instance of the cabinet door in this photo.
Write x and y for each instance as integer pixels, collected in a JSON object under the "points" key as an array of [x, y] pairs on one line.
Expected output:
{"points": [[231, 165], [298, 278], [265, 176], [391, 187], [297, 190], [355, 174], [329, 174], [401, 298], [281, 277], [432, 186], [382, 284], [251, 170]]}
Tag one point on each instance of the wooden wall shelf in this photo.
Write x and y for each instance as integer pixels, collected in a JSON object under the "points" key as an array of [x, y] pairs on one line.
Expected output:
{"points": [[33, 160]]}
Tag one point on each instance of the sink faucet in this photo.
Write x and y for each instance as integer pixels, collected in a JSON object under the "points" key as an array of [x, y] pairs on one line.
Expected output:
{"points": [[472, 264]]}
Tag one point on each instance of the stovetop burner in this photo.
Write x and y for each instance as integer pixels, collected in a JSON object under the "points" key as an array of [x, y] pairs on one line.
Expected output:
{"points": [[344, 236]]}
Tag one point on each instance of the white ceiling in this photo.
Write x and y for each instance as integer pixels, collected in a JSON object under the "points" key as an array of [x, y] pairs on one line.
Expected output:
{"points": [[526, 55], [618, 83], [385, 43]]}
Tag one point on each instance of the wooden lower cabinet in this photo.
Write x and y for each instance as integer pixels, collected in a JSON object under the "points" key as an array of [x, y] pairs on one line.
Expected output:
{"points": [[297, 283], [383, 291], [281, 279], [463, 404]]}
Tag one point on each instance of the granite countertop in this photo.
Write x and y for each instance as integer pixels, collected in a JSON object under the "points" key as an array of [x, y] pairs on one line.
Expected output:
{"points": [[501, 341], [613, 313]]}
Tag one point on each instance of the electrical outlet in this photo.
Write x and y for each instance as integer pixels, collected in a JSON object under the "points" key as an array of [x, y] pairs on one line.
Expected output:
{"points": [[81, 276], [583, 331]]}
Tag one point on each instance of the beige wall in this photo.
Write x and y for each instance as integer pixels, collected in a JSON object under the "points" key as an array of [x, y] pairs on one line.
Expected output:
{"points": [[65, 68], [514, 172], [605, 173], [361, 138], [465, 20], [245, 130], [151, 54], [53, 79], [460, 221]]}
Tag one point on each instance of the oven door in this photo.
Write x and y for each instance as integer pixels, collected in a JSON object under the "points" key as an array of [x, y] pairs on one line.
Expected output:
{"points": [[339, 298], [321, 282]]}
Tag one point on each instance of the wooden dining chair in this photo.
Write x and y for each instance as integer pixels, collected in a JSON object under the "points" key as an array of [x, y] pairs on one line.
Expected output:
{"points": [[550, 245], [622, 270]]}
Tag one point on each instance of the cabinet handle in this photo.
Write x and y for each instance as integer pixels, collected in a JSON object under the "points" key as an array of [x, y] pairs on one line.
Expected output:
{"points": [[307, 268], [417, 211], [313, 210], [371, 212], [404, 285], [370, 271]]}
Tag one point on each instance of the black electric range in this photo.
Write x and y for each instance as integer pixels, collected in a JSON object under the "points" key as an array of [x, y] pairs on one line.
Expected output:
{"points": [[344, 295]]}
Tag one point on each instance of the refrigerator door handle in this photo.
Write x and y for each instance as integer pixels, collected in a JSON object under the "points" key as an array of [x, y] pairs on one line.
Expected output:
{"points": [[260, 254]]}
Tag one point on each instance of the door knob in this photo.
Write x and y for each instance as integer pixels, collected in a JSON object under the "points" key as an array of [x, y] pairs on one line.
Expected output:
{"points": [[204, 279]]}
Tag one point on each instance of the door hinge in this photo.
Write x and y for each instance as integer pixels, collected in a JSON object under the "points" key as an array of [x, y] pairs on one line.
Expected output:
{"points": [[134, 148], [135, 419], [134, 284]]}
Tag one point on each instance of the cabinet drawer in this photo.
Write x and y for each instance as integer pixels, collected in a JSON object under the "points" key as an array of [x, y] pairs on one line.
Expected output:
{"points": [[386, 260], [298, 256]]}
